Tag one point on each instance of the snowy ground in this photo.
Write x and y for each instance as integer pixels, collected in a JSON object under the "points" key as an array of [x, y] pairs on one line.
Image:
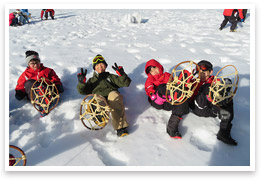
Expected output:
{"points": [[169, 36]]}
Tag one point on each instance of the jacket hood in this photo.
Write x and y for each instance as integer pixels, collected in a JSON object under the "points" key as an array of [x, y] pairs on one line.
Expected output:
{"points": [[153, 62]]}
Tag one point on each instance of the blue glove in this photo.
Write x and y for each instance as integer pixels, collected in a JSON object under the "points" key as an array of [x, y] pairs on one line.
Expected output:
{"points": [[242, 20]]}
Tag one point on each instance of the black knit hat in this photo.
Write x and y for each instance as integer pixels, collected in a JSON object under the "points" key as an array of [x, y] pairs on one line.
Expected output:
{"points": [[98, 59], [208, 64], [31, 55]]}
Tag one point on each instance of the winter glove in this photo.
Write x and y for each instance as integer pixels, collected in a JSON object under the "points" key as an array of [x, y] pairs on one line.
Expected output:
{"points": [[82, 76], [19, 95], [242, 20], [60, 88], [119, 70], [157, 99]]}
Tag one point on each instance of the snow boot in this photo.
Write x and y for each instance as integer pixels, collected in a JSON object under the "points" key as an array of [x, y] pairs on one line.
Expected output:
{"points": [[220, 28], [122, 132], [172, 126], [226, 138], [176, 135]]}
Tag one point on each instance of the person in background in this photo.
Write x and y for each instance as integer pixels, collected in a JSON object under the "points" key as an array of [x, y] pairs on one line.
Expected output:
{"points": [[231, 15], [45, 12]]}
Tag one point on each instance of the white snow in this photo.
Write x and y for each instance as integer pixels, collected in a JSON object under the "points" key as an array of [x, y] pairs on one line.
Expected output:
{"points": [[169, 36]]}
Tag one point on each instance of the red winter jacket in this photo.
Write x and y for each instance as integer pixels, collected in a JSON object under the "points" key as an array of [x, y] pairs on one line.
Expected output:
{"points": [[11, 17], [153, 82], [41, 72], [201, 83], [229, 12], [47, 10]]}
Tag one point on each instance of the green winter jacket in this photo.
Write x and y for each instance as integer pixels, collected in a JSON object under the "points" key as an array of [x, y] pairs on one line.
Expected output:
{"points": [[102, 84]]}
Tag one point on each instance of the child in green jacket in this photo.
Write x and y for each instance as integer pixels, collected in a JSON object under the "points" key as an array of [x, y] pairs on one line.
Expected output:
{"points": [[105, 84]]}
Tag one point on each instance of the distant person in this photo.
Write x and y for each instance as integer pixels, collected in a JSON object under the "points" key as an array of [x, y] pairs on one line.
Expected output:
{"points": [[13, 20], [231, 15], [244, 14], [106, 84], [155, 87], [45, 12], [23, 18], [26, 15]]}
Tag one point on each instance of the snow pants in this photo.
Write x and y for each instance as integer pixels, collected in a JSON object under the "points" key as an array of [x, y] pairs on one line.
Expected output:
{"points": [[14, 22], [50, 13], [232, 19], [202, 107], [28, 86], [115, 102], [177, 110]]}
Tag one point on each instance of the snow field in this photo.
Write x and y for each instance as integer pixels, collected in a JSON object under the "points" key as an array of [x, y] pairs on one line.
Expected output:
{"points": [[169, 36]]}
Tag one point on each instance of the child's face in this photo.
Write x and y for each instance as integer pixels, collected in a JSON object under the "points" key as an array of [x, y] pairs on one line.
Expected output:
{"points": [[34, 64], [204, 75], [100, 68], [154, 71]]}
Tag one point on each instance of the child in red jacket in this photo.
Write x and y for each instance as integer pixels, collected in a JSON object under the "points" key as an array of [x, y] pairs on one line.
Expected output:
{"points": [[155, 88], [34, 71], [46, 11]]}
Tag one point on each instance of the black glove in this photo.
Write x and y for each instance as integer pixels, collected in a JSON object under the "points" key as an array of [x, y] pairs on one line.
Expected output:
{"points": [[119, 70], [60, 88], [82, 76], [19, 95]]}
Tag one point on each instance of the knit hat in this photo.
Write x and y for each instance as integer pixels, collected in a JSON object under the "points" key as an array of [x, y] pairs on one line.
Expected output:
{"points": [[31, 55], [207, 66], [98, 59]]}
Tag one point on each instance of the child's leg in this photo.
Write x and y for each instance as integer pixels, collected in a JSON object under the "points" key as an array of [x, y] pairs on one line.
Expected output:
{"points": [[225, 21], [177, 112], [233, 21], [14, 22], [172, 125], [28, 86], [115, 101], [51, 14], [46, 15]]}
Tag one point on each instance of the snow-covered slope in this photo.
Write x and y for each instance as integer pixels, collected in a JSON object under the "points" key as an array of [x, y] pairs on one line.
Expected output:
{"points": [[169, 36]]}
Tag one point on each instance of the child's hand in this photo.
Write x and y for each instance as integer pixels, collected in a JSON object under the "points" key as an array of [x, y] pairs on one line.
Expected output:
{"points": [[157, 99], [82, 76], [153, 97], [119, 70]]}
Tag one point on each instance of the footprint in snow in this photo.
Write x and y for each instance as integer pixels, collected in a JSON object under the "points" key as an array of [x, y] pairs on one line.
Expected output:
{"points": [[96, 50], [183, 45], [192, 50], [131, 50], [141, 45], [209, 51], [204, 140], [225, 60], [164, 61]]}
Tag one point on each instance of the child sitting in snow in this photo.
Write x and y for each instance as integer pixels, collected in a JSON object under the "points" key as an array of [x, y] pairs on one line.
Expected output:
{"points": [[34, 71], [46, 11], [155, 88], [13, 20], [201, 105], [105, 84]]}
